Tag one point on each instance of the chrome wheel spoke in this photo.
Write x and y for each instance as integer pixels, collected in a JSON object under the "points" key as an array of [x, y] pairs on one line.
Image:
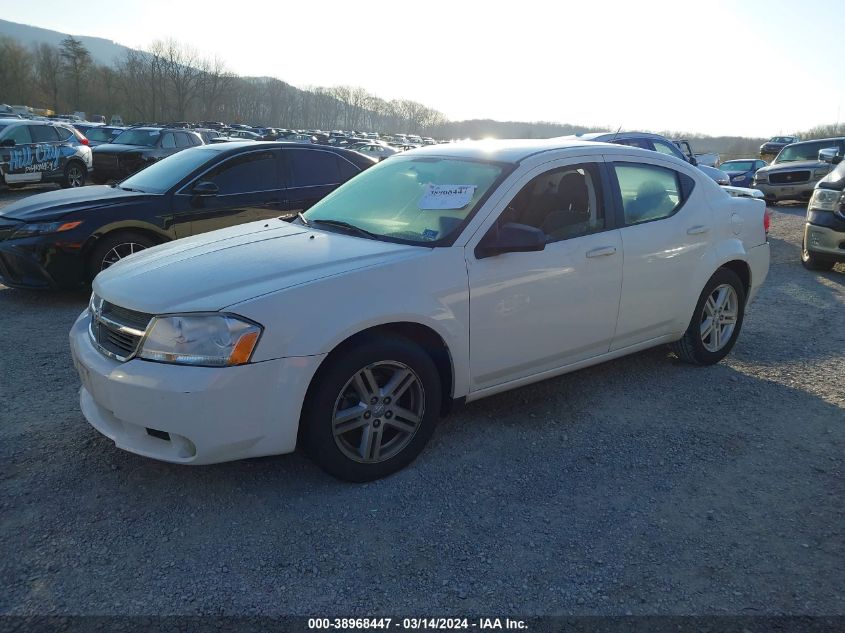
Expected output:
{"points": [[707, 327], [378, 412]]}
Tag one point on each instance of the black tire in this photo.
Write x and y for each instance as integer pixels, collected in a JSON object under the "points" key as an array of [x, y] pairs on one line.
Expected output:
{"points": [[691, 348], [328, 389], [814, 261], [75, 174], [104, 246]]}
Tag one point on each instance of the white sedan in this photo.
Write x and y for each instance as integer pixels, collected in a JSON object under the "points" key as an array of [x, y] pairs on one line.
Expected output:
{"points": [[443, 275]]}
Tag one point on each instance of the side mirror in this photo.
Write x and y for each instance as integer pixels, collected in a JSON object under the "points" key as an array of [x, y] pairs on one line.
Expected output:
{"points": [[693, 161], [510, 238], [205, 188], [827, 154], [836, 160], [7, 142]]}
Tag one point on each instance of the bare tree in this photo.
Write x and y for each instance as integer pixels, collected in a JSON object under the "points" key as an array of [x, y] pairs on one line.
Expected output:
{"points": [[48, 73], [15, 71]]}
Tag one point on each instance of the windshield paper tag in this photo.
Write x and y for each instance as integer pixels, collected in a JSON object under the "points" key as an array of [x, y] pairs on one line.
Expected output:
{"points": [[446, 196]]}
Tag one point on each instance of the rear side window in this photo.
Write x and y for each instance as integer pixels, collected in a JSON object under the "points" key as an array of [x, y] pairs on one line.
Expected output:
{"points": [[633, 142], [251, 172], [648, 192], [313, 168], [183, 140], [168, 141], [64, 133], [43, 134]]}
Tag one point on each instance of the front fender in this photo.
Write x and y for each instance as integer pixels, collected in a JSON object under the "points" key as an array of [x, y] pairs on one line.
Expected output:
{"points": [[314, 318]]}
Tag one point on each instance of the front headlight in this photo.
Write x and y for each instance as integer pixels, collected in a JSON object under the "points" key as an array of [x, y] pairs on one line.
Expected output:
{"points": [[42, 228], [740, 178], [210, 340], [761, 177], [825, 199]]}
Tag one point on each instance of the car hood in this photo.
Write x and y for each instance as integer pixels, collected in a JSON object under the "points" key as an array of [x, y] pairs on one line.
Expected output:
{"points": [[55, 204], [119, 148], [218, 269], [798, 164], [835, 179]]}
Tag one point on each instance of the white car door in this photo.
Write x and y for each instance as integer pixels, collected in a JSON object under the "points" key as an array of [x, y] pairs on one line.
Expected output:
{"points": [[666, 227], [532, 312]]}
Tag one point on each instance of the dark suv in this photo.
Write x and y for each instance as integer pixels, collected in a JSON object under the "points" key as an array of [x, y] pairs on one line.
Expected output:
{"points": [[42, 151], [138, 147]]}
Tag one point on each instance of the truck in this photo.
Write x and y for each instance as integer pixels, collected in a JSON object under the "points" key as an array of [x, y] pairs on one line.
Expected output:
{"points": [[709, 159]]}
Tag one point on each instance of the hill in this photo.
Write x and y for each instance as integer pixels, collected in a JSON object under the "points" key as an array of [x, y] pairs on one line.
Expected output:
{"points": [[103, 52]]}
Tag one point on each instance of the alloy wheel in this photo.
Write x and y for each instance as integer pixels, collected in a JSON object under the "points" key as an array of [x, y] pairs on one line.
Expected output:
{"points": [[74, 176], [120, 251], [378, 412], [719, 317]]}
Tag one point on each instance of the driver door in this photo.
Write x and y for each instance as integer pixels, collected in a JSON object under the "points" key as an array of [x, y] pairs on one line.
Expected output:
{"points": [[538, 311]]}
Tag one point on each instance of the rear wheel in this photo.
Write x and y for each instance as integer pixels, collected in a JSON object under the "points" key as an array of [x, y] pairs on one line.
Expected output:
{"points": [[113, 247], [74, 175], [372, 411], [716, 322], [813, 261]]}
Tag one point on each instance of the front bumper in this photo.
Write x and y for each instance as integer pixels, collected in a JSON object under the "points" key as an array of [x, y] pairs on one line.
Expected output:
{"points": [[191, 415], [43, 262], [825, 241], [802, 191]]}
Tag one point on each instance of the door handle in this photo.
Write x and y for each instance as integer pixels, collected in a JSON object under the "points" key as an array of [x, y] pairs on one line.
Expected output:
{"points": [[697, 230], [603, 251]]}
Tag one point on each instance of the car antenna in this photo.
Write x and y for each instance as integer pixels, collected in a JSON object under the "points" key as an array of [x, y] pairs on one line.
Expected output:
{"points": [[615, 134]]}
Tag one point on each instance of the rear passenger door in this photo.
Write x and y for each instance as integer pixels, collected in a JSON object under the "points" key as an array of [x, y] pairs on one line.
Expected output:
{"points": [[666, 228], [249, 188], [311, 174]]}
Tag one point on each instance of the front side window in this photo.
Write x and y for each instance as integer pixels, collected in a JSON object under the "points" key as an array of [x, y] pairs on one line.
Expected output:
{"points": [[412, 200], [164, 174], [20, 134], [648, 192], [248, 173], [563, 203], [183, 140], [168, 141]]}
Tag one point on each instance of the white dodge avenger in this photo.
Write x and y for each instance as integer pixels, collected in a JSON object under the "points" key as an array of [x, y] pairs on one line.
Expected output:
{"points": [[441, 275]]}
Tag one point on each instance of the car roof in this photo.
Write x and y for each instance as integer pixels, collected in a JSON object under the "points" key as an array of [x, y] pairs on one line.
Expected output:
{"points": [[820, 140], [512, 150], [234, 146]]}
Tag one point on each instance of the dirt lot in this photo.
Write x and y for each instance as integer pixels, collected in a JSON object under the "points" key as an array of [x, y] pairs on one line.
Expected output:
{"points": [[638, 486]]}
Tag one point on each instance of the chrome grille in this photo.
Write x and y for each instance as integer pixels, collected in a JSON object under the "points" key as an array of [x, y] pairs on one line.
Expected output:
{"points": [[115, 330], [788, 177]]}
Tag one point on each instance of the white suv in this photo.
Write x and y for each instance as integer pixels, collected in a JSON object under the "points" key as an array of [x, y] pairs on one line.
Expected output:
{"points": [[444, 274]]}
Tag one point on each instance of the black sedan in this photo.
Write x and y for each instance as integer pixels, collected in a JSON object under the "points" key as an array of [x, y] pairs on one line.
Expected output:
{"points": [[137, 147], [62, 239]]}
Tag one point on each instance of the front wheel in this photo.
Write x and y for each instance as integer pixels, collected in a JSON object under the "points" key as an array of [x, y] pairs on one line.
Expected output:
{"points": [[74, 176], [812, 261], [113, 247], [372, 411], [716, 322]]}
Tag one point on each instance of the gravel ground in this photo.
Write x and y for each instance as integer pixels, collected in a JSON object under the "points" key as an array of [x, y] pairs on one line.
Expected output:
{"points": [[638, 486]]}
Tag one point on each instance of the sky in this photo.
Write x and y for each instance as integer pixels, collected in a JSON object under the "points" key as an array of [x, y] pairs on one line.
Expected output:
{"points": [[718, 67]]}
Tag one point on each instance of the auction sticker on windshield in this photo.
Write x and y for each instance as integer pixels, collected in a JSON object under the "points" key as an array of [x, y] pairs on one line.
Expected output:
{"points": [[443, 197]]}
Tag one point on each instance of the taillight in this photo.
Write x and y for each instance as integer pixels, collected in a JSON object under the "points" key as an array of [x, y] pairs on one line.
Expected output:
{"points": [[767, 221], [84, 141]]}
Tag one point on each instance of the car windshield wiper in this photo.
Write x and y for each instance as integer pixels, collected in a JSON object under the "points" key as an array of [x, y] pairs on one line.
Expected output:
{"points": [[130, 189], [349, 227]]}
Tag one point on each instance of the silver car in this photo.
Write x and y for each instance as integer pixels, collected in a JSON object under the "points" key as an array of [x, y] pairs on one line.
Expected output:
{"points": [[797, 168]]}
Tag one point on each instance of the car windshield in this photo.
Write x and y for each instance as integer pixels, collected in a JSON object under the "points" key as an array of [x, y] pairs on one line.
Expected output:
{"points": [[805, 151], [737, 165], [162, 175], [98, 134], [413, 200], [146, 138], [781, 139]]}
